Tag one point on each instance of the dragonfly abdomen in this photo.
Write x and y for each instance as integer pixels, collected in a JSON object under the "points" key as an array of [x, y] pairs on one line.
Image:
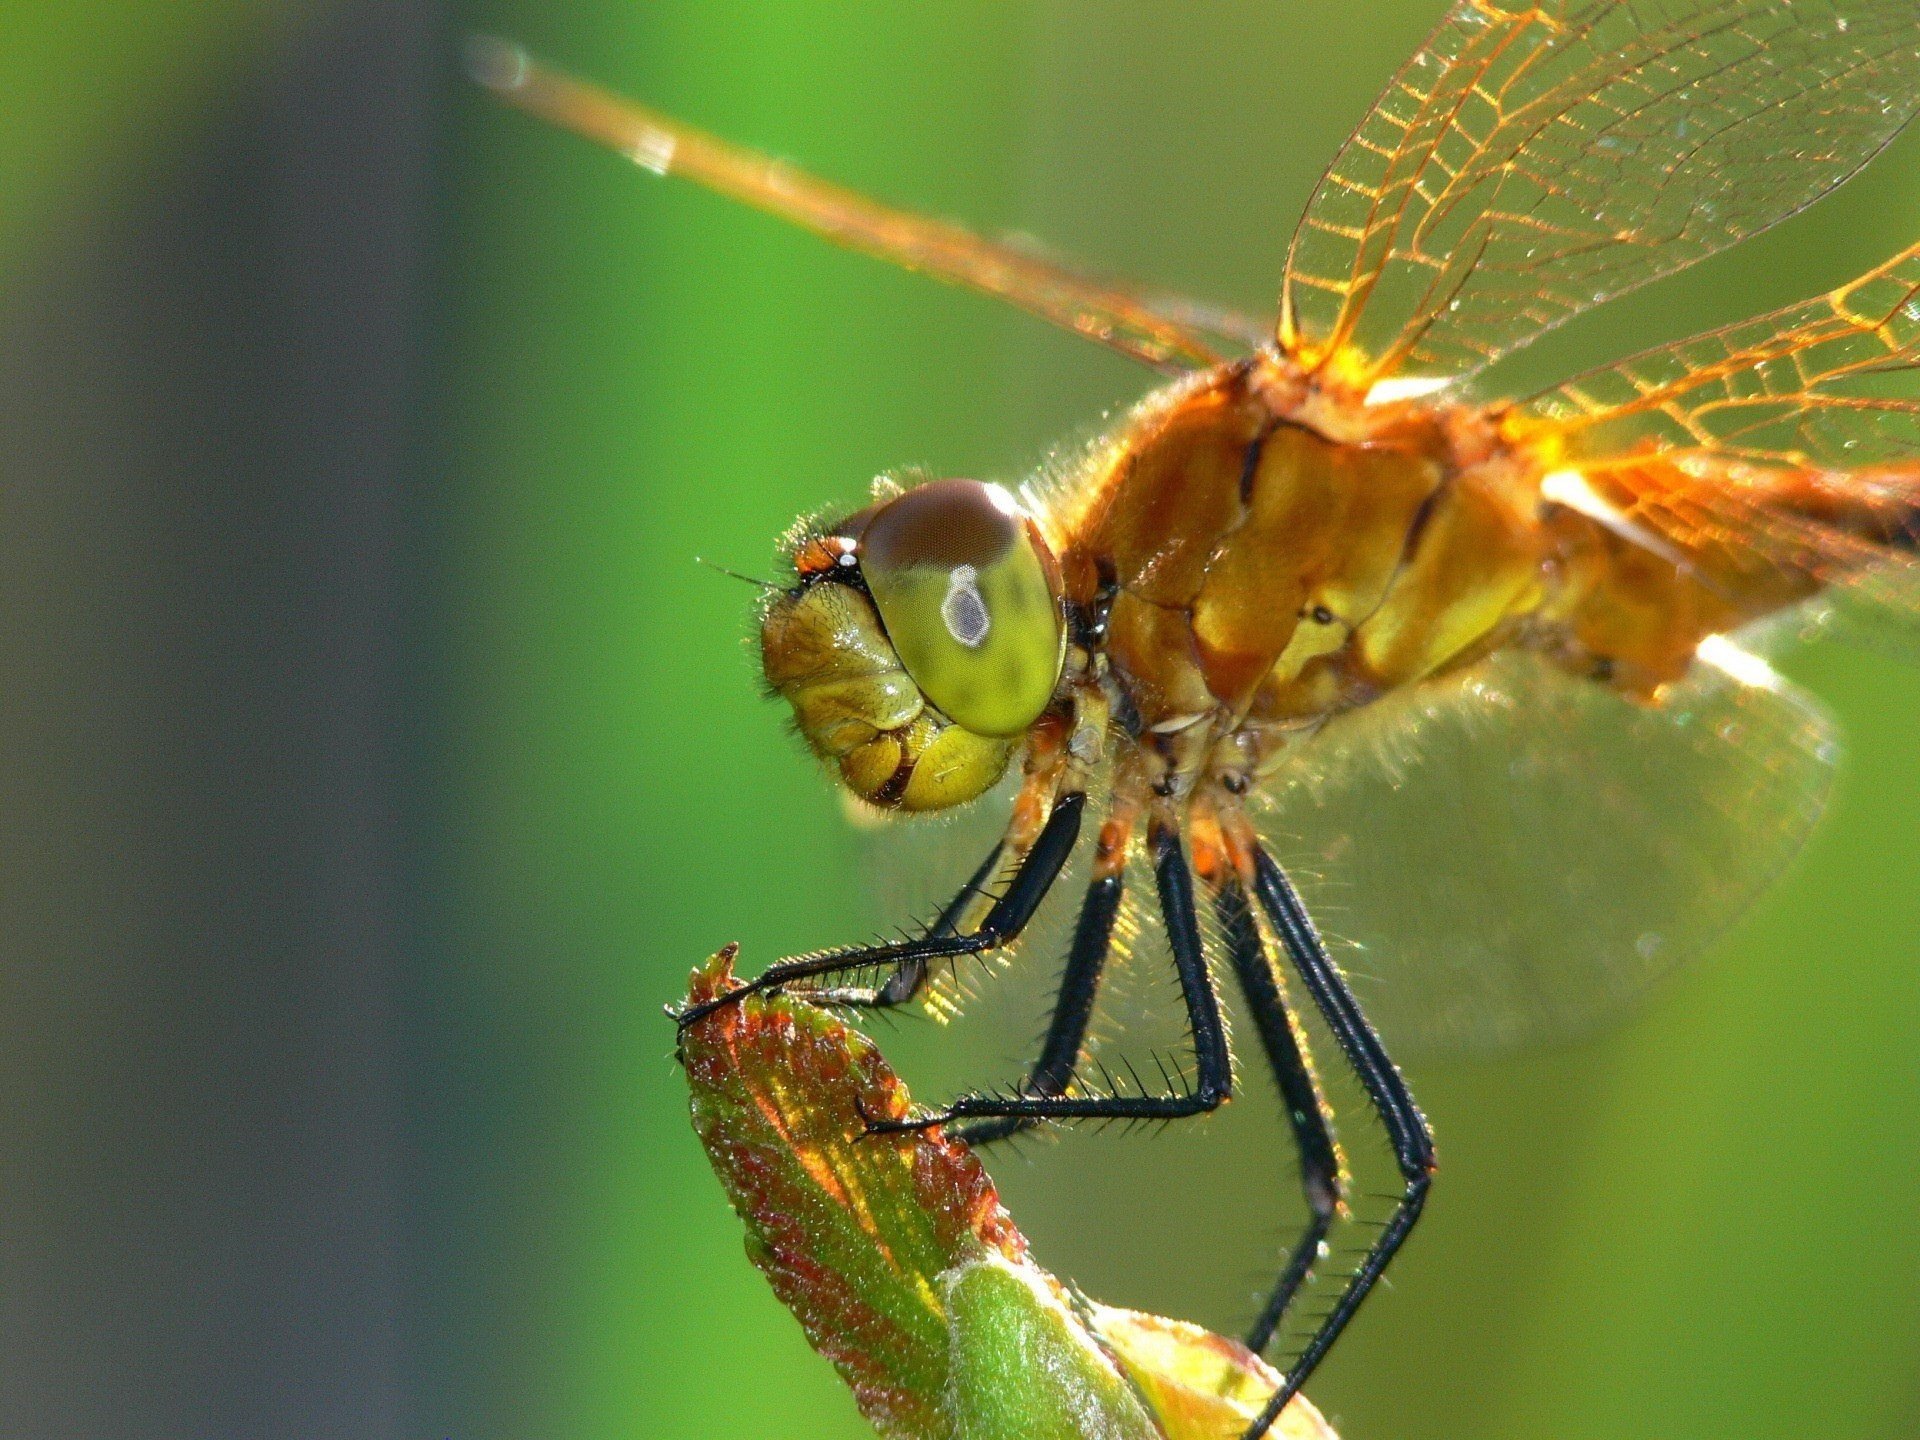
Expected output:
{"points": [[1666, 549]]}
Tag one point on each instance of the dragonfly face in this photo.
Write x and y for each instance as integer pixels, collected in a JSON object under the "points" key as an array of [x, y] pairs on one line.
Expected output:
{"points": [[922, 638], [1484, 658]]}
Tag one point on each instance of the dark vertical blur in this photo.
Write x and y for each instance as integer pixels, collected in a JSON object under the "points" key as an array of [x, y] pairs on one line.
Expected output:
{"points": [[208, 394]]}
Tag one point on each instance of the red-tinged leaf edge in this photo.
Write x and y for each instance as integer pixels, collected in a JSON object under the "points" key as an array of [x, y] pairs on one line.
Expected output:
{"points": [[851, 1230]]}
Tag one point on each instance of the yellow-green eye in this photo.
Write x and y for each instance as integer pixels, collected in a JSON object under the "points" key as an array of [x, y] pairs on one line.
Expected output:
{"points": [[959, 581]]}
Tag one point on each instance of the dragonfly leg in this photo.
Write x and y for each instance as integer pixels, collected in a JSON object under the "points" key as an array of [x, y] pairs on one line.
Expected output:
{"points": [[1213, 1081], [910, 976], [1062, 1051], [1037, 871], [1322, 1173], [1406, 1127], [1053, 1073]]}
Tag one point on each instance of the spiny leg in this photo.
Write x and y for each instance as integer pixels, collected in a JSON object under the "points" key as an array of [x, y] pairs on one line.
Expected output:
{"points": [[1039, 839], [1406, 1127], [1322, 1175], [910, 976], [1059, 1060], [1061, 1052], [1008, 915], [1213, 1062]]}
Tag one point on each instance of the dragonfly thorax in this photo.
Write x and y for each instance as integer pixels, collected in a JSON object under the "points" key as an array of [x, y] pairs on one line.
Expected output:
{"points": [[1266, 557]]}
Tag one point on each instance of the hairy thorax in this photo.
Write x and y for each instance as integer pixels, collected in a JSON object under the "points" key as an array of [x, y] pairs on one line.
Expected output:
{"points": [[1259, 556]]}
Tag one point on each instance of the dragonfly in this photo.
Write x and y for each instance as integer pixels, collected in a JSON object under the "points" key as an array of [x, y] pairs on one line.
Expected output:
{"points": [[1327, 626]]}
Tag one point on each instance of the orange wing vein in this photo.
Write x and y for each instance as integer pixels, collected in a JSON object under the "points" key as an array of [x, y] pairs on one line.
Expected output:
{"points": [[1532, 161], [1793, 437], [1163, 331]]}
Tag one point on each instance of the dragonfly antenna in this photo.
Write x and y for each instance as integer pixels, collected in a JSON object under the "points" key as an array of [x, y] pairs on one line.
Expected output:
{"points": [[766, 585]]}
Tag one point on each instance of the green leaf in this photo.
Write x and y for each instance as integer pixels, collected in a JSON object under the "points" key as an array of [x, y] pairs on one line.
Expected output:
{"points": [[1023, 1366], [897, 1259]]}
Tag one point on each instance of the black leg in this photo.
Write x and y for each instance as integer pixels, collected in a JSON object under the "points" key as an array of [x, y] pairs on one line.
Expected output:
{"points": [[1004, 921], [1322, 1176], [1406, 1127], [910, 976], [1059, 1058], [1213, 1064]]}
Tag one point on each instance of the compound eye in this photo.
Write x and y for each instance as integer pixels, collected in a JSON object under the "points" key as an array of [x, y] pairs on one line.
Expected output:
{"points": [[958, 577]]}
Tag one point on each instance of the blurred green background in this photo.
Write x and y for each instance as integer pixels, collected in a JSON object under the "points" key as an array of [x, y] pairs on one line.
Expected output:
{"points": [[379, 759]]}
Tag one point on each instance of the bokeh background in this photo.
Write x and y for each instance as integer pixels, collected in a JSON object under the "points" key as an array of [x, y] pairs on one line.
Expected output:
{"points": [[377, 760]]}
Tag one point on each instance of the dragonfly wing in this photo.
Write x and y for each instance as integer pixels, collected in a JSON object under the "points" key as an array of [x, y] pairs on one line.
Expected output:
{"points": [[1534, 160], [1164, 331], [1830, 381], [1792, 439], [1512, 853]]}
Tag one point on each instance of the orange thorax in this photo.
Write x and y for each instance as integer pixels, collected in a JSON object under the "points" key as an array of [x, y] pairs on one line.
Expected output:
{"points": [[1271, 561]]}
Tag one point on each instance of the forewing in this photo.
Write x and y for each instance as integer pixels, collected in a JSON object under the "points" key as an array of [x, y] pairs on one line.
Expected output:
{"points": [[1164, 331], [1532, 161], [1513, 853]]}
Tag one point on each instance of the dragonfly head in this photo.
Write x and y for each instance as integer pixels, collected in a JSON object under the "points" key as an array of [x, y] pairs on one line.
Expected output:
{"points": [[922, 638]]}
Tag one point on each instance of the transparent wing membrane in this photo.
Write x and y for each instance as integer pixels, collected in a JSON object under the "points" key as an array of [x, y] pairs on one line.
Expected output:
{"points": [[1828, 382], [1791, 440], [1532, 161], [1164, 331], [1512, 853]]}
